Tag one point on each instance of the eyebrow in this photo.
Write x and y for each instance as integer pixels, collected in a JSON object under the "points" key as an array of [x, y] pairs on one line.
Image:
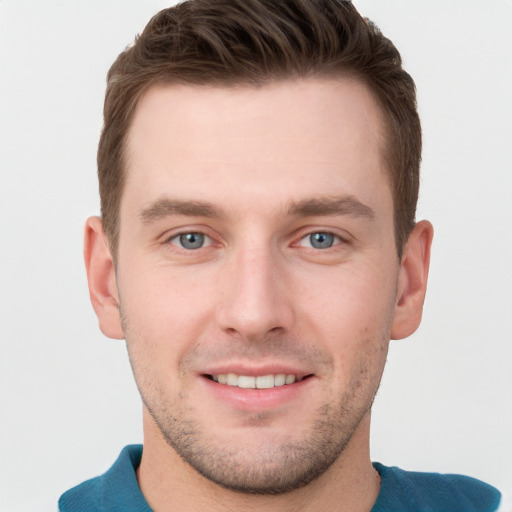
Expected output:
{"points": [[345, 205], [164, 207]]}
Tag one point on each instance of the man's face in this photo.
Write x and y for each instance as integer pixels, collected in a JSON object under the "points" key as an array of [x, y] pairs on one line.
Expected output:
{"points": [[257, 274]]}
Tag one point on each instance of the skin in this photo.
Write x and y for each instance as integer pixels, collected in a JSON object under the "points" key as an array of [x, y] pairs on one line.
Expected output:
{"points": [[257, 171]]}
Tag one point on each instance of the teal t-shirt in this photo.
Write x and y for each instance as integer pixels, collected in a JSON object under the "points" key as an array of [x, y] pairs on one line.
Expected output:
{"points": [[401, 491]]}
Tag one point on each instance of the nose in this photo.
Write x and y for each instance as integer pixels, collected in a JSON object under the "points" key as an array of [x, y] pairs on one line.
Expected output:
{"points": [[255, 299]]}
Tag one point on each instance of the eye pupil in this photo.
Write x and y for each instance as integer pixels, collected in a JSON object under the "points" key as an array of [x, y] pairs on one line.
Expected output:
{"points": [[321, 240], [192, 240]]}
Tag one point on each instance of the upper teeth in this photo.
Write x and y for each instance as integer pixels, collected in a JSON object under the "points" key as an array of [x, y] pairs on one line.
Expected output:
{"points": [[249, 382]]}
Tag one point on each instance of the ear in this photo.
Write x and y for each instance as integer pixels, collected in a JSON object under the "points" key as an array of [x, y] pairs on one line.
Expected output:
{"points": [[102, 279], [412, 281]]}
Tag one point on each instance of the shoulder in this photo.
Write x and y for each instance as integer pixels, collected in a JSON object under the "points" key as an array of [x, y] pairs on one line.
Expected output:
{"points": [[115, 490], [86, 496], [406, 491]]}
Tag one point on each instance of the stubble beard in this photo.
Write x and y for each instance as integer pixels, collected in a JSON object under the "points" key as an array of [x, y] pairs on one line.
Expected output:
{"points": [[274, 467]]}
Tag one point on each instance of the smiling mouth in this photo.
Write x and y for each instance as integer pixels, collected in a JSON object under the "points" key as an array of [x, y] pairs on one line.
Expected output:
{"points": [[252, 382]]}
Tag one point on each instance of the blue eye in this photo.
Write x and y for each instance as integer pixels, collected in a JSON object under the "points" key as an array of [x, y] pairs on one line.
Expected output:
{"points": [[320, 240], [192, 241]]}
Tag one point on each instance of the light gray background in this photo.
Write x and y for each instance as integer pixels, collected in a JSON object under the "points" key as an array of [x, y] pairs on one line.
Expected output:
{"points": [[67, 400]]}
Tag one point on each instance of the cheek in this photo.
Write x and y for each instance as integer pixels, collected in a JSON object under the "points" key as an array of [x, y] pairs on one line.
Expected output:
{"points": [[352, 300], [164, 313], [353, 314]]}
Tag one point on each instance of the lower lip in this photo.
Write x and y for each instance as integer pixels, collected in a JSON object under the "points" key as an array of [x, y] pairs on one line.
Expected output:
{"points": [[257, 399]]}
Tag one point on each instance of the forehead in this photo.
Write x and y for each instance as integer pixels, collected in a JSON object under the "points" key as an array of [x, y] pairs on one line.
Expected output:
{"points": [[318, 133]]}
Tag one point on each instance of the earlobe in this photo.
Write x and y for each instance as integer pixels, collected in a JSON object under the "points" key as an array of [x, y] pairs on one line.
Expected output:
{"points": [[412, 281], [102, 279]]}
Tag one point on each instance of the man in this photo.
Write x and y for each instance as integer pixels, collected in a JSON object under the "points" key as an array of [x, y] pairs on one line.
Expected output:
{"points": [[259, 170]]}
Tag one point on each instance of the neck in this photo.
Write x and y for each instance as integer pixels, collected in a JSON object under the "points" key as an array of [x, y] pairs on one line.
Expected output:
{"points": [[171, 484]]}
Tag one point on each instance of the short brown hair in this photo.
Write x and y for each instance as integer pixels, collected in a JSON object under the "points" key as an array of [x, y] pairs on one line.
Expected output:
{"points": [[253, 42]]}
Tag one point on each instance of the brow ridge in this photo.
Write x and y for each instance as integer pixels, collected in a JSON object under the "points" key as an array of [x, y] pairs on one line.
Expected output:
{"points": [[317, 206], [327, 205], [164, 207]]}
